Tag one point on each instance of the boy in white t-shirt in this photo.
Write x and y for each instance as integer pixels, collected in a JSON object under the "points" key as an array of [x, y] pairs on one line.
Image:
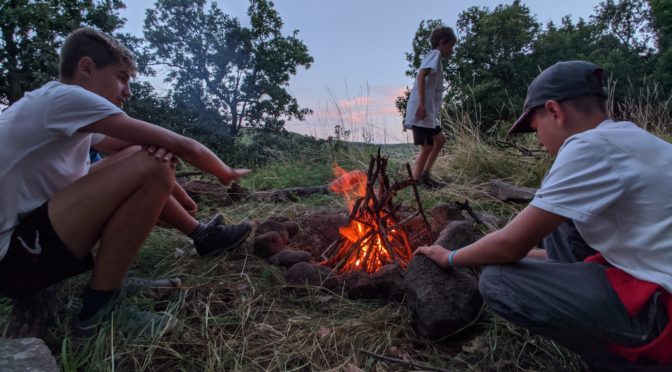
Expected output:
{"points": [[423, 111], [55, 209], [603, 214]]}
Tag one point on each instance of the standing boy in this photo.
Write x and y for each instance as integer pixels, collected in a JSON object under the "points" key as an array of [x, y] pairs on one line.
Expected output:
{"points": [[424, 105], [54, 209], [604, 213]]}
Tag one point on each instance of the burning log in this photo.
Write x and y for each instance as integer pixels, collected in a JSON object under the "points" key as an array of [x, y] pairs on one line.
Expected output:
{"points": [[374, 236]]}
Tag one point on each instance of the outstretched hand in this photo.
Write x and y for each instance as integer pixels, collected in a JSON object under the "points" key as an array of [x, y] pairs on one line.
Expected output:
{"points": [[235, 174]]}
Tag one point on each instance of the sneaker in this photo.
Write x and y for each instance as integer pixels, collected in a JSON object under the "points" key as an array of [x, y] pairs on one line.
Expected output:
{"points": [[134, 284], [219, 238], [131, 321], [85, 328], [430, 182], [141, 324]]}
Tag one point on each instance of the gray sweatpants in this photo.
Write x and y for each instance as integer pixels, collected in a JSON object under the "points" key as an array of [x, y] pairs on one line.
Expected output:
{"points": [[570, 301]]}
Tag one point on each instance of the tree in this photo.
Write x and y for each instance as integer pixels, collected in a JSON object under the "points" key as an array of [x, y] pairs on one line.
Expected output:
{"points": [[491, 67], [238, 74], [33, 31], [661, 20]]}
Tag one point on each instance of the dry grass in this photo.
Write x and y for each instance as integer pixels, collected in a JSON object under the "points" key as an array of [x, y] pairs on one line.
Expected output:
{"points": [[236, 313]]}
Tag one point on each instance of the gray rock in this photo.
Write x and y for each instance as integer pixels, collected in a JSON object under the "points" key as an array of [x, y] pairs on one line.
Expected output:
{"points": [[26, 355], [443, 213], [268, 244], [441, 301], [271, 225], [292, 227], [314, 275], [289, 258], [457, 234]]}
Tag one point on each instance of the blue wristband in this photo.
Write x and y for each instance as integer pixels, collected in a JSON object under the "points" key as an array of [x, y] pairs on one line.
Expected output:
{"points": [[450, 257]]}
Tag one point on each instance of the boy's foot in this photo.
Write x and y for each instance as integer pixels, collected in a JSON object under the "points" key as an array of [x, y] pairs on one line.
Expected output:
{"points": [[219, 238], [134, 284], [430, 182], [132, 321], [85, 328]]}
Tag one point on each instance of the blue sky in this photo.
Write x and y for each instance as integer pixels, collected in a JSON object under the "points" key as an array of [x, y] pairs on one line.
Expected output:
{"points": [[359, 47]]}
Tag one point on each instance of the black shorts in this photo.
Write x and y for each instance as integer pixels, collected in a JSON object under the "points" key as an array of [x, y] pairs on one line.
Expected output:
{"points": [[37, 258], [424, 136]]}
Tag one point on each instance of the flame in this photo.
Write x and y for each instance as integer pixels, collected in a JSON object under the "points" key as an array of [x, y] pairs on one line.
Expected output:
{"points": [[364, 245]]}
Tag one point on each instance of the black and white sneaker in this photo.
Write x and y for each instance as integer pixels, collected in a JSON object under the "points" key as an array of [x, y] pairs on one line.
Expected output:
{"points": [[219, 238]]}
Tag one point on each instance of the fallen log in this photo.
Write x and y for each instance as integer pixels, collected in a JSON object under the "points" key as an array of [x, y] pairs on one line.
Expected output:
{"points": [[227, 196], [507, 192]]}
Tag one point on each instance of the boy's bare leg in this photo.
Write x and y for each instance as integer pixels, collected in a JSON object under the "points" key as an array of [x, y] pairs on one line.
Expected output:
{"points": [[439, 141], [178, 211], [421, 160], [176, 216], [118, 205]]}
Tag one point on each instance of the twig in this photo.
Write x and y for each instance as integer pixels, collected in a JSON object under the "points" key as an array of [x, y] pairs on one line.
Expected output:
{"points": [[465, 206], [404, 362], [417, 200]]}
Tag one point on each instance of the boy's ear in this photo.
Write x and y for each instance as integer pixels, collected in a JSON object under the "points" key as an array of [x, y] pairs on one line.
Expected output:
{"points": [[556, 111], [86, 66]]}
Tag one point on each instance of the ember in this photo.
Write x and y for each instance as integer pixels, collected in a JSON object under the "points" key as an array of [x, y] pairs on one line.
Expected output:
{"points": [[374, 236]]}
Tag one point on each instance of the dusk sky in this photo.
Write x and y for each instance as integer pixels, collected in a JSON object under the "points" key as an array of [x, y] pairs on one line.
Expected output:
{"points": [[359, 47]]}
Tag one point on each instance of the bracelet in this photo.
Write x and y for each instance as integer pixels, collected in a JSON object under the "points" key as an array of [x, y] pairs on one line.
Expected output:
{"points": [[450, 257]]}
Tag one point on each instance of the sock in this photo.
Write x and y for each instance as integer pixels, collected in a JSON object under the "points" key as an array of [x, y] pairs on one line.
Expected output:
{"points": [[93, 300], [199, 233]]}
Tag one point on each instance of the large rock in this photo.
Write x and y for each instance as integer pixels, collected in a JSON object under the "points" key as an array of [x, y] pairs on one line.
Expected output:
{"points": [[457, 234], [441, 301], [26, 355], [270, 225], [288, 258], [386, 284], [311, 274], [268, 244]]}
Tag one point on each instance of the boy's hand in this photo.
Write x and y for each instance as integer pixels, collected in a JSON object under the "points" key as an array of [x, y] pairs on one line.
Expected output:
{"points": [[436, 253], [235, 174], [163, 155], [420, 114]]}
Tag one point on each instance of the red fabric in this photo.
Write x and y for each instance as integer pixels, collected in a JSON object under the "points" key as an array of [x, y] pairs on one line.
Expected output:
{"points": [[634, 294]]}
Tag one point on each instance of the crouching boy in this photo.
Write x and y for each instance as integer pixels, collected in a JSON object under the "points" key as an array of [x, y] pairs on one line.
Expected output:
{"points": [[604, 217]]}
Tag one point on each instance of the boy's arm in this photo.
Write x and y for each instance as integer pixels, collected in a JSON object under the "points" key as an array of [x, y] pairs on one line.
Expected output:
{"points": [[420, 82], [110, 145], [126, 129], [507, 245]]}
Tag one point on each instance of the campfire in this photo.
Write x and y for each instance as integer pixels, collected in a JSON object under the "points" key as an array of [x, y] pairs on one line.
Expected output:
{"points": [[374, 235]]}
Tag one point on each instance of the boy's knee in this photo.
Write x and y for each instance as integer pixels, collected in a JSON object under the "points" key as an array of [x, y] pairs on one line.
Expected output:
{"points": [[489, 280], [156, 171]]}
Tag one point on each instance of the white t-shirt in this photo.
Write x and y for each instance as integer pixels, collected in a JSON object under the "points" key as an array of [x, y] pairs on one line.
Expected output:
{"points": [[615, 182], [433, 94], [41, 150]]}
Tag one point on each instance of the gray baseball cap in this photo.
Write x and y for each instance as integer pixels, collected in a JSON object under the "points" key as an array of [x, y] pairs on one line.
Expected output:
{"points": [[563, 80]]}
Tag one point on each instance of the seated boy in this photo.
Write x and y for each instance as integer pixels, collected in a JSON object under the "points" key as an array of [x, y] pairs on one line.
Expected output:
{"points": [[55, 209], [608, 191]]}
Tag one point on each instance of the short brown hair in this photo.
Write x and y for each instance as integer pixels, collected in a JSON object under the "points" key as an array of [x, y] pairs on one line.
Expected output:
{"points": [[442, 33], [102, 49], [588, 104]]}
